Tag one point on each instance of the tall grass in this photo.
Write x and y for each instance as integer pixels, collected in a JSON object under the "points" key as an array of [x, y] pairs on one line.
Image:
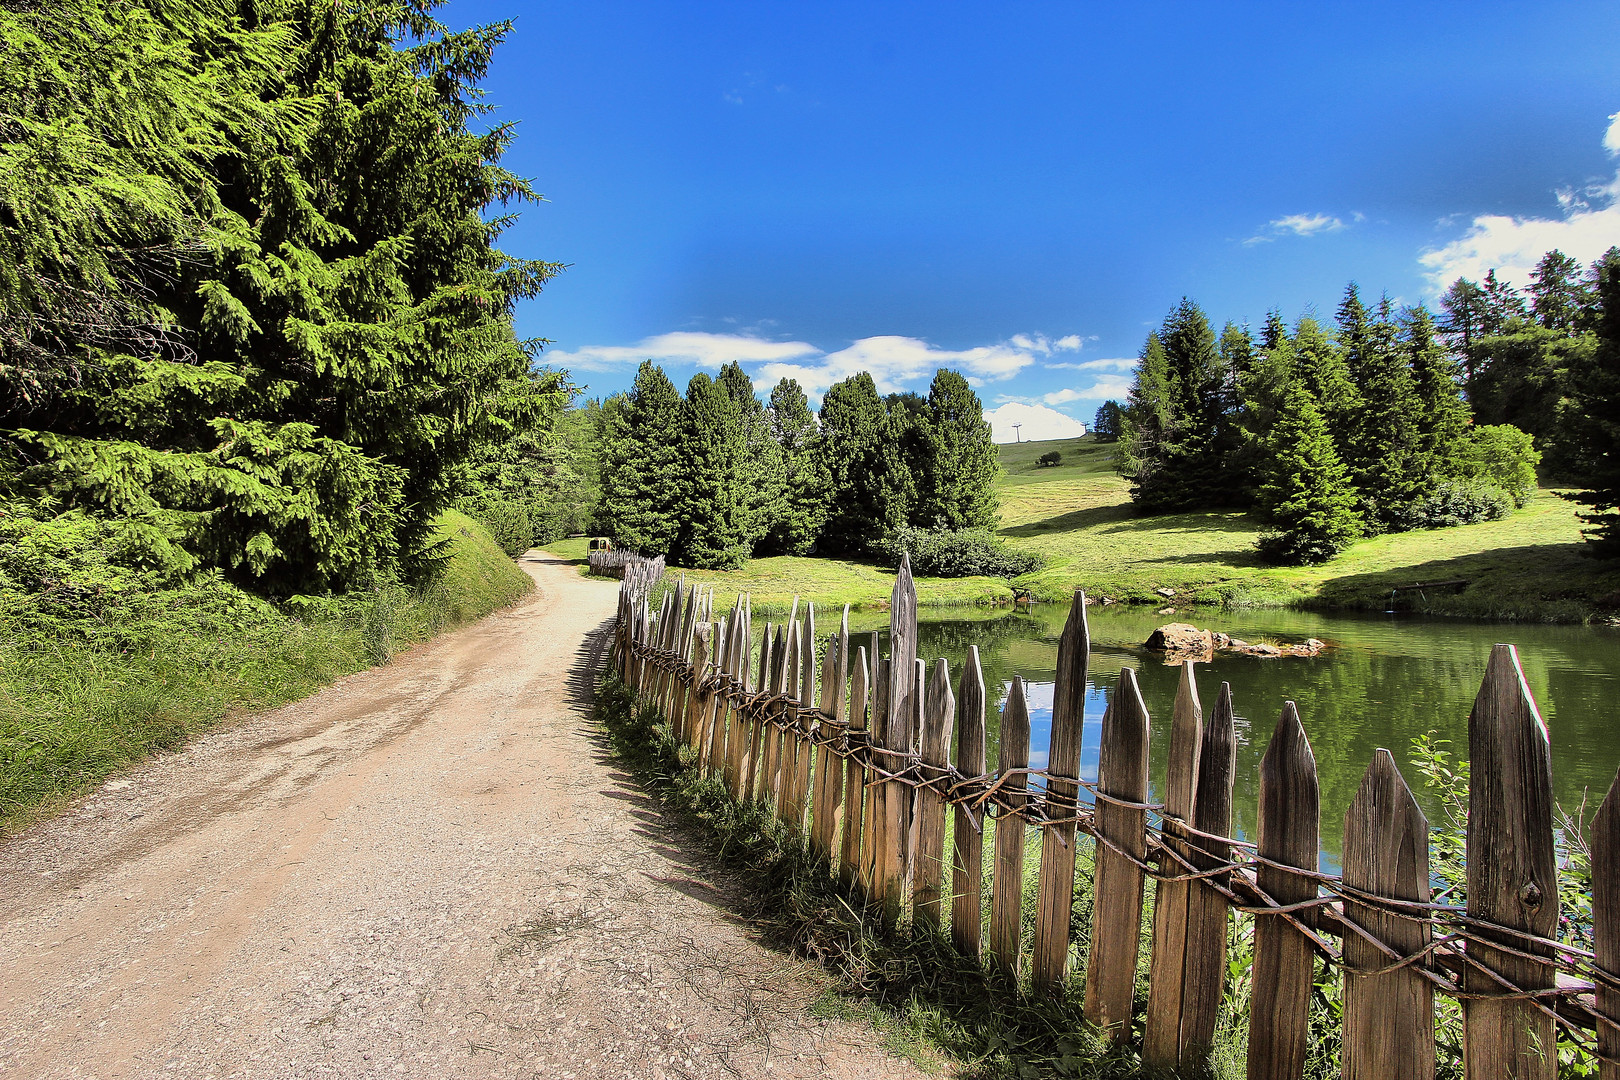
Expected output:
{"points": [[73, 711]]}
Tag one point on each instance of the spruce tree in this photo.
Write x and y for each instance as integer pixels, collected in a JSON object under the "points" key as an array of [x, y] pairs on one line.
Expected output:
{"points": [[714, 518], [1149, 417], [1109, 423], [805, 504], [1261, 393], [1307, 496], [1559, 299], [338, 333], [957, 481], [1320, 368], [1442, 416], [642, 494], [852, 452], [1596, 394], [1463, 325], [762, 491], [1384, 455], [1185, 467]]}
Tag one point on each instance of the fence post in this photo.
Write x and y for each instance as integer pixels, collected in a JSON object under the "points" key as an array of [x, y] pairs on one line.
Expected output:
{"points": [[939, 710], [1606, 927], [967, 863], [1206, 908], [1055, 902], [714, 702], [1007, 873], [1388, 1018], [803, 748], [879, 845], [1290, 833], [849, 863], [1512, 876], [829, 769], [905, 714], [1167, 968], [1116, 917]]}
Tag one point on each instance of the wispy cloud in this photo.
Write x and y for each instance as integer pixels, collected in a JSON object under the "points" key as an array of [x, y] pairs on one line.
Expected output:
{"points": [[1117, 363], [896, 363], [1306, 225], [1513, 245]]}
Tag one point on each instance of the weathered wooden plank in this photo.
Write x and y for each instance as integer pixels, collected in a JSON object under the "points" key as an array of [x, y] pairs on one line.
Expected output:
{"points": [[883, 845], [1055, 901], [967, 861], [803, 748], [716, 702], [1167, 970], [939, 711], [1007, 872], [849, 862], [787, 743], [1207, 910], [906, 714], [1388, 1018], [829, 768], [1116, 917], [1512, 874], [1606, 926], [1290, 834], [876, 721]]}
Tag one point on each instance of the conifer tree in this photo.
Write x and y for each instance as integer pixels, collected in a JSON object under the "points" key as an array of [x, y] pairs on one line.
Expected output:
{"points": [[1597, 402], [1149, 416], [956, 482], [1383, 455], [853, 452], [1559, 299], [1463, 325], [714, 518], [1320, 368], [762, 490], [1261, 394], [804, 512], [1307, 496], [642, 493], [1109, 422], [1442, 413]]}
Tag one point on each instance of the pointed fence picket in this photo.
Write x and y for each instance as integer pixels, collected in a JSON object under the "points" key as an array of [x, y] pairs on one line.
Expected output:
{"points": [[867, 777]]}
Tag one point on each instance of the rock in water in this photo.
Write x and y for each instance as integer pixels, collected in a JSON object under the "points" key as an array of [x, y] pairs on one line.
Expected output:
{"points": [[1181, 637]]}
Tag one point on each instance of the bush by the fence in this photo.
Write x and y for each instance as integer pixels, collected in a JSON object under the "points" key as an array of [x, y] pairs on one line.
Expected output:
{"points": [[961, 553]]}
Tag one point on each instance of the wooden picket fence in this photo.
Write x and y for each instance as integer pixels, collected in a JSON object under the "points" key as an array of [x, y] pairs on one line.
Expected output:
{"points": [[866, 775], [636, 572]]}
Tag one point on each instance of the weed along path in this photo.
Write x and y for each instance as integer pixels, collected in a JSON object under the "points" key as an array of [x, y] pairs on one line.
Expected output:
{"points": [[431, 869]]}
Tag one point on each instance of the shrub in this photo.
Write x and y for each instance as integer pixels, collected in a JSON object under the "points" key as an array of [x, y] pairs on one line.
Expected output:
{"points": [[1456, 502], [1048, 459], [510, 523], [960, 553], [1500, 456]]}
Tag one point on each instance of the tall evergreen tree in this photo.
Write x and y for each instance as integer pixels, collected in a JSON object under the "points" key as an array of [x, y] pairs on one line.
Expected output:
{"points": [[714, 518], [805, 503], [1261, 393], [1558, 297], [762, 491], [852, 451], [1596, 394], [641, 463], [1320, 368], [1109, 422], [1383, 455], [1464, 324], [1307, 496], [1442, 414], [957, 485], [341, 328], [1149, 422]]}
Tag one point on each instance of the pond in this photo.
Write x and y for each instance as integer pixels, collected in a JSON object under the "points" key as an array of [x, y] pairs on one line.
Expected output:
{"points": [[1382, 681]]}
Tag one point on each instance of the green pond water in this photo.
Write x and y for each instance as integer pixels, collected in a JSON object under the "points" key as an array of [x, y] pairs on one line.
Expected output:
{"points": [[1382, 681]]}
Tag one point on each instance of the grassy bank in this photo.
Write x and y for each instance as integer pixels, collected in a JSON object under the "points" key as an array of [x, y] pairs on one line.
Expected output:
{"points": [[73, 710], [1531, 565]]}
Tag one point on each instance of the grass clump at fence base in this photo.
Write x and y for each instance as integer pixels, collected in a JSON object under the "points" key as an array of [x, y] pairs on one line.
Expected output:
{"points": [[79, 702]]}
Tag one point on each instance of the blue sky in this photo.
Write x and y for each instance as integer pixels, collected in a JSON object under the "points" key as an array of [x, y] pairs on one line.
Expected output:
{"points": [[1022, 191]]}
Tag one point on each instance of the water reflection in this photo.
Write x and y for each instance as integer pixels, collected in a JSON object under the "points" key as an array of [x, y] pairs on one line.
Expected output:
{"points": [[1383, 681]]}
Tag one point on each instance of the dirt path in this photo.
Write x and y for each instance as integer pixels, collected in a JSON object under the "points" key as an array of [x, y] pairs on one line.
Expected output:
{"points": [[427, 870]]}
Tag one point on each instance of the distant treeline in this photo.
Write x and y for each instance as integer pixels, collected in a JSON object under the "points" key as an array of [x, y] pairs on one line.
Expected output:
{"points": [[716, 477], [1388, 420]]}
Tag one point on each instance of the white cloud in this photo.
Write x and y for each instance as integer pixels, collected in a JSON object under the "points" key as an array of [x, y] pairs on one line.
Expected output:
{"points": [[1037, 423], [1512, 246], [682, 347], [1300, 225], [1118, 363]]}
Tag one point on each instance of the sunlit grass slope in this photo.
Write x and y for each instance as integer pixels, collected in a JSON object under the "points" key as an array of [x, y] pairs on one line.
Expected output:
{"points": [[1531, 565]]}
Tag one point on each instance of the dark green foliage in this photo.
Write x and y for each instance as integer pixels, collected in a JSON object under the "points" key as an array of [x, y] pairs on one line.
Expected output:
{"points": [[855, 450], [1109, 423], [1455, 502], [327, 351], [1048, 459], [763, 485], [714, 481], [640, 437], [804, 472], [1442, 415], [1525, 377], [521, 479], [959, 553], [1559, 299], [1307, 495], [957, 473], [1596, 393], [1384, 451], [1498, 456]]}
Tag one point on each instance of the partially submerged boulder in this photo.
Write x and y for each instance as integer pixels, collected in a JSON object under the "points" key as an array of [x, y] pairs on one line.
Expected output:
{"points": [[1184, 641], [1180, 637]]}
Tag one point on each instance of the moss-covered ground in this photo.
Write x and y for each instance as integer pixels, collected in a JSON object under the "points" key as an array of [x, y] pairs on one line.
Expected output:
{"points": [[73, 712]]}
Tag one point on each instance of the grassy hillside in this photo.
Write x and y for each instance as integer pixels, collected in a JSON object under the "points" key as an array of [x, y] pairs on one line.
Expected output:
{"points": [[72, 712], [1531, 565]]}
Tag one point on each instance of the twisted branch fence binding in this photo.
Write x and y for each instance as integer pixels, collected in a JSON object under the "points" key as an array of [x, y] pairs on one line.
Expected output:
{"points": [[866, 775]]}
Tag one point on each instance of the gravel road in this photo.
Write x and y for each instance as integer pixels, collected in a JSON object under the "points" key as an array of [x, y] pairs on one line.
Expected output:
{"points": [[431, 869]]}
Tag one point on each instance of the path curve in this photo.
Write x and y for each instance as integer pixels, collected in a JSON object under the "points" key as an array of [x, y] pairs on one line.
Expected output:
{"points": [[430, 869]]}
